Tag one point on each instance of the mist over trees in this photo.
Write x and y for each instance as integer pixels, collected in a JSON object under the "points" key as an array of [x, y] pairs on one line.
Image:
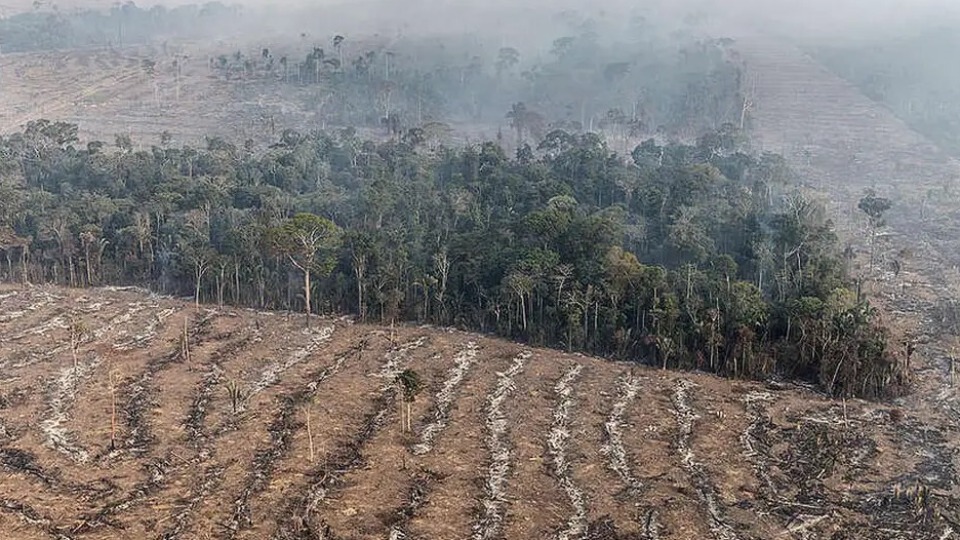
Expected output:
{"points": [[674, 87], [123, 25], [619, 210]]}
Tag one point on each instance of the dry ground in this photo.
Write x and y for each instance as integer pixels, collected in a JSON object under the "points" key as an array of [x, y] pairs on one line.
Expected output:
{"points": [[507, 441], [109, 92]]}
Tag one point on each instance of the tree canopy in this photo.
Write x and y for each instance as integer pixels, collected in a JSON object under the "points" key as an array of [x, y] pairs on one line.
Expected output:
{"points": [[696, 256]]}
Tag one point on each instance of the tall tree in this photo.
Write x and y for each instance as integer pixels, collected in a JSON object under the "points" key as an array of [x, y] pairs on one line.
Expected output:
{"points": [[310, 243]]}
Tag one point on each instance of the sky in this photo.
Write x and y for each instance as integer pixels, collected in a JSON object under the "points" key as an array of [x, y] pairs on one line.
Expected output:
{"points": [[805, 19]]}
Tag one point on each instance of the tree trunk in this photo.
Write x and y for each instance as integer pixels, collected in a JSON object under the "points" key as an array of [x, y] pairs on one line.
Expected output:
{"points": [[23, 264], [86, 258], [196, 293], [221, 284], [236, 283], [306, 293]]}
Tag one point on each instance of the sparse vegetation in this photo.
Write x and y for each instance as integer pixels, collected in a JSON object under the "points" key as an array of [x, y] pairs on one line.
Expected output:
{"points": [[271, 485], [236, 394], [409, 384]]}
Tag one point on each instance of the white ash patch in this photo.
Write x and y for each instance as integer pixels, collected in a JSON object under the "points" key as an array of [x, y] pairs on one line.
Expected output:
{"points": [[557, 439], [490, 522], [272, 373], [613, 447], [147, 334], [444, 398], [61, 399]]}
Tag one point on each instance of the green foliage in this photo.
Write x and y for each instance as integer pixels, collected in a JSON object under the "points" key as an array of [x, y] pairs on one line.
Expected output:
{"points": [[310, 242], [693, 256], [874, 206], [410, 384]]}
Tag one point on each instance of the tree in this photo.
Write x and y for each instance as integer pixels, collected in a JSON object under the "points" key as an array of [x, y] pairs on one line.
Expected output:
{"points": [[410, 384], [360, 247], [523, 119], [874, 207], [198, 254], [309, 242], [78, 333], [507, 57], [338, 45]]}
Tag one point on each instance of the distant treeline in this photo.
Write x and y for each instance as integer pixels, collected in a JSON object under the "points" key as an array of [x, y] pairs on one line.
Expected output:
{"points": [[123, 25], [692, 256], [676, 88]]}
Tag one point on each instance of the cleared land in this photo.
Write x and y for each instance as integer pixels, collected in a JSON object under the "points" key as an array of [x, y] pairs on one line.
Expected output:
{"points": [[109, 92], [506, 441], [144, 92]]}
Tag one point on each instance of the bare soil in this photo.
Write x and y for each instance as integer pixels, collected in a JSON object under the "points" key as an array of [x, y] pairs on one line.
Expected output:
{"points": [[186, 465]]}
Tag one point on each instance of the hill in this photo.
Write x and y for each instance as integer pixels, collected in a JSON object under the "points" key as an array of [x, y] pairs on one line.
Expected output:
{"points": [[109, 92], [506, 441]]}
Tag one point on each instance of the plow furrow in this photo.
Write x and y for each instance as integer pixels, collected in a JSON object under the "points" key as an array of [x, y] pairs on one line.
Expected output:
{"points": [[282, 430], [706, 492], [302, 520], [444, 398]]}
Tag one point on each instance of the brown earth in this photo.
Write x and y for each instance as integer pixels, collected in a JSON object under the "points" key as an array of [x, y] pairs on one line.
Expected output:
{"points": [[682, 455], [109, 92]]}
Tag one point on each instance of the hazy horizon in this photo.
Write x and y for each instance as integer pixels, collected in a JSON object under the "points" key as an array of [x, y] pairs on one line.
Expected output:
{"points": [[814, 20]]}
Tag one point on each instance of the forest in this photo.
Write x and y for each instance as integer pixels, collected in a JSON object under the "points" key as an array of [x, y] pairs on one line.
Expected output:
{"points": [[622, 214], [696, 256], [673, 86]]}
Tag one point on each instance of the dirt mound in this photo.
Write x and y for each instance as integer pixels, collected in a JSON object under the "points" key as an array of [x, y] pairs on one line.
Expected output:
{"points": [[230, 423]]}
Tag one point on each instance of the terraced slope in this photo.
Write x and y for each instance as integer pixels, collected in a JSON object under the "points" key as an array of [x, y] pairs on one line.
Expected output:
{"points": [[253, 426]]}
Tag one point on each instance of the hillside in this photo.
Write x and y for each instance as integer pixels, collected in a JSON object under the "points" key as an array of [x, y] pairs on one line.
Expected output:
{"points": [[506, 441], [125, 414], [109, 92], [845, 144]]}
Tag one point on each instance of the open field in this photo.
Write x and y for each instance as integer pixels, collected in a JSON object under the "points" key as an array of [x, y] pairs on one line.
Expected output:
{"points": [[506, 441], [108, 92]]}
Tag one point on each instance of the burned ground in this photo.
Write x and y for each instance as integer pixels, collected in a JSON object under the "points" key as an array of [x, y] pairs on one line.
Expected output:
{"points": [[506, 441]]}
